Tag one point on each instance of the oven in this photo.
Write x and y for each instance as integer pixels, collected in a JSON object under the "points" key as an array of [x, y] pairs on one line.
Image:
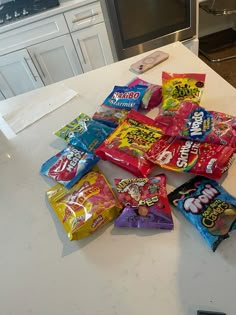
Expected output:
{"points": [[138, 26], [13, 10]]}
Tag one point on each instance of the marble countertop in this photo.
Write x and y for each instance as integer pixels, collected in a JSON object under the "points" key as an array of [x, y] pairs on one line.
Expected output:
{"points": [[115, 271]]}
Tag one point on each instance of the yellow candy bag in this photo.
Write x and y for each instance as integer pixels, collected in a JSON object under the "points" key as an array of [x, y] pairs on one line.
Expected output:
{"points": [[87, 206], [180, 87]]}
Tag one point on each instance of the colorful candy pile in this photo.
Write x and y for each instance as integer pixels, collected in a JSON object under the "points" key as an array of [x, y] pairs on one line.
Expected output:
{"points": [[184, 137]]}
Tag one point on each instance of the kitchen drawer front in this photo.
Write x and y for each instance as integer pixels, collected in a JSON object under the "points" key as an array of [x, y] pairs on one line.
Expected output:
{"points": [[33, 33], [85, 16]]}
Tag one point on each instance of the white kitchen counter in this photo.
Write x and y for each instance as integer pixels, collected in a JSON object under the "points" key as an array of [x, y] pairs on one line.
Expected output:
{"points": [[115, 271]]}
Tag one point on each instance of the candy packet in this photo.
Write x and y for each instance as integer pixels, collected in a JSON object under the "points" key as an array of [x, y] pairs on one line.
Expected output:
{"points": [[84, 133], [110, 117], [69, 165], [125, 98], [127, 145], [152, 96], [87, 206], [145, 201], [177, 88], [208, 206], [181, 155], [196, 123]]}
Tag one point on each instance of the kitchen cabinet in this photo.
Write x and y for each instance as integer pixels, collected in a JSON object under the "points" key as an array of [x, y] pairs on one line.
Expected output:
{"points": [[93, 48], [54, 48], [56, 59], [18, 74]]}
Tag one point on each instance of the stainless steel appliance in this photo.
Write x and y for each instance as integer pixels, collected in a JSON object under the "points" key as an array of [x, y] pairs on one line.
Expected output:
{"points": [[12, 10], [141, 25]]}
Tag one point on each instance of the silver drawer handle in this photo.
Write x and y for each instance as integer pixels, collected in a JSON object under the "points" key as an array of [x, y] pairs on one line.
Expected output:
{"points": [[39, 65], [2, 94], [85, 18], [26, 61]]}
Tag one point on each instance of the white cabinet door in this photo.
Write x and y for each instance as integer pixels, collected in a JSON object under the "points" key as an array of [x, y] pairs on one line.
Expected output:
{"points": [[56, 59], [93, 47], [18, 74]]}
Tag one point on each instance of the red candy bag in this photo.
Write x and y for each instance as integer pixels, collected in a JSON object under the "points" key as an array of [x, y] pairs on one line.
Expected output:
{"points": [[145, 201], [127, 145], [180, 155], [196, 123]]}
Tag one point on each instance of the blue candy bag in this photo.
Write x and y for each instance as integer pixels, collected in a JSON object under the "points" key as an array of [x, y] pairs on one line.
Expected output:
{"points": [[208, 206], [69, 165], [84, 133], [126, 98]]}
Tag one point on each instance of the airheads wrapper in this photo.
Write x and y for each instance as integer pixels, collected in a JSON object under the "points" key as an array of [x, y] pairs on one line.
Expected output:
{"points": [[145, 201], [208, 206], [196, 123], [127, 145], [110, 117], [125, 98], [177, 88], [84, 133], [69, 165], [152, 96], [87, 206], [191, 156]]}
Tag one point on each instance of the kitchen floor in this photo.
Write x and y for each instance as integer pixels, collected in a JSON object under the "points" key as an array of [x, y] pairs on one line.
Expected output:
{"points": [[226, 69], [218, 46]]}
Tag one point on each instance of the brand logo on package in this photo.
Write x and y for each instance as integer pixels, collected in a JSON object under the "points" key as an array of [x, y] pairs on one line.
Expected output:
{"points": [[200, 124]]}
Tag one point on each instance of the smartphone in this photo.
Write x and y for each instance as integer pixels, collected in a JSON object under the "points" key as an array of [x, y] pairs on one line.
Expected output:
{"points": [[149, 62]]}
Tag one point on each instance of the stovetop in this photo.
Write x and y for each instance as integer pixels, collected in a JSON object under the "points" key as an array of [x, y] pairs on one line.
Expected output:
{"points": [[13, 10]]}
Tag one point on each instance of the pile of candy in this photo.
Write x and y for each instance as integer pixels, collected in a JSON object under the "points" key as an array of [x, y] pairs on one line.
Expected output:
{"points": [[184, 137]]}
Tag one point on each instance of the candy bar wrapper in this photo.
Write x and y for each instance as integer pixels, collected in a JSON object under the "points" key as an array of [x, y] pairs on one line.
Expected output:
{"points": [[84, 133], [127, 145], [208, 206], [196, 123], [145, 201], [125, 98], [86, 207], [152, 96], [110, 117], [180, 155], [177, 88], [69, 165]]}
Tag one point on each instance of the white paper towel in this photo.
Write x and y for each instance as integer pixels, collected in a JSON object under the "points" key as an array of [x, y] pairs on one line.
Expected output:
{"points": [[19, 112]]}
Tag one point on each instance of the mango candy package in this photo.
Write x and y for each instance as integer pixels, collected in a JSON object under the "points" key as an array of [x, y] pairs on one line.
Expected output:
{"points": [[195, 157], [145, 201], [87, 206], [84, 133], [208, 206], [180, 87], [196, 123], [127, 145]]}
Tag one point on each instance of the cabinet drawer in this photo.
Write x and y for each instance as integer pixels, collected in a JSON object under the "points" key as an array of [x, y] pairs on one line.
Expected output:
{"points": [[33, 33], [84, 16]]}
